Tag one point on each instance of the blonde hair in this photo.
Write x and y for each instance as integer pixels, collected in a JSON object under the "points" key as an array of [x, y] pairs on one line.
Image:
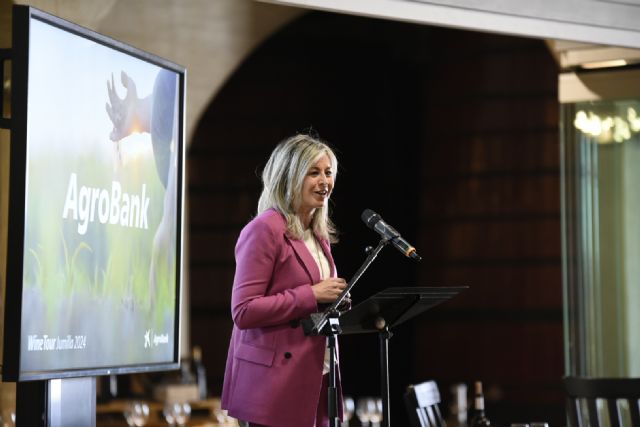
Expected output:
{"points": [[282, 180]]}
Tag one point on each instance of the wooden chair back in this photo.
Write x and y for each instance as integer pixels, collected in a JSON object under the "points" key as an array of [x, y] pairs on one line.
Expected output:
{"points": [[595, 394], [422, 402]]}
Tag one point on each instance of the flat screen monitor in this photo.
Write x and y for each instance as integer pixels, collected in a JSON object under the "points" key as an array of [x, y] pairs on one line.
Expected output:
{"points": [[96, 204]]}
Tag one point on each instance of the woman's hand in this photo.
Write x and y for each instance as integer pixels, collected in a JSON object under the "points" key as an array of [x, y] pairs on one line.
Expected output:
{"points": [[328, 290]]}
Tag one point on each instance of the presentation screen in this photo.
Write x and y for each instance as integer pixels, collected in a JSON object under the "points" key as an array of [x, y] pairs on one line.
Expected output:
{"points": [[96, 204]]}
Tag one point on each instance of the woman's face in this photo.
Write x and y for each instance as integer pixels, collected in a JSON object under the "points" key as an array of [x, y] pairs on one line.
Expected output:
{"points": [[316, 187]]}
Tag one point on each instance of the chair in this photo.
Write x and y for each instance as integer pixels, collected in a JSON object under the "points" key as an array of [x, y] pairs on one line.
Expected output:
{"points": [[595, 390], [422, 402]]}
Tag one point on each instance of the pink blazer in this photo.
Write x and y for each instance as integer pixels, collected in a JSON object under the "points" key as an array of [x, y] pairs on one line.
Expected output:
{"points": [[273, 374]]}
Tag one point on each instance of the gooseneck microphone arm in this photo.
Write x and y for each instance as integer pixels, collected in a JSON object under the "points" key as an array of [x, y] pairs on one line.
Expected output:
{"points": [[319, 320]]}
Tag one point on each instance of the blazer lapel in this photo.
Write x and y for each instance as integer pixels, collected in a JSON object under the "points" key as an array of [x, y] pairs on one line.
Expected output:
{"points": [[305, 258]]}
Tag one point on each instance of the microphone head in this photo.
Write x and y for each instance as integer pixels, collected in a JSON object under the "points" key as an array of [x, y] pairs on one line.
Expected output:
{"points": [[370, 218]]}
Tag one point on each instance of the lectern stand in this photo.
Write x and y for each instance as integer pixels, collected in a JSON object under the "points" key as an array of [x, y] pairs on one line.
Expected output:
{"points": [[386, 310]]}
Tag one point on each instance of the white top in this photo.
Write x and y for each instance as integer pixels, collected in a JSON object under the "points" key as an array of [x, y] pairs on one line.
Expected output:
{"points": [[325, 272]]}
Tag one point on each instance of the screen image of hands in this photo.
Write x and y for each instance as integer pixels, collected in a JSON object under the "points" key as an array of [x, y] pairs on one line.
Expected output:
{"points": [[128, 114]]}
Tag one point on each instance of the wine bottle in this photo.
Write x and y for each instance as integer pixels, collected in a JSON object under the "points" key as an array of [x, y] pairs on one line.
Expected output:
{"points": [[458, 406], [200, 372], [479, 418]]}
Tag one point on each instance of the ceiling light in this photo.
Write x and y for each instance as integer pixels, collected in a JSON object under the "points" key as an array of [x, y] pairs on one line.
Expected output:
{"points": [[604, 64]]}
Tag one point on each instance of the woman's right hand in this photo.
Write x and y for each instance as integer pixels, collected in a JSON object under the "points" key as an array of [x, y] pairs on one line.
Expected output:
{"points": [[328, 290]]}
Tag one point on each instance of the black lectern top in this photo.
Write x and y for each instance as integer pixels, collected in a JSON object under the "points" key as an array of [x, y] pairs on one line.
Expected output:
{"points": [[393, 306]]}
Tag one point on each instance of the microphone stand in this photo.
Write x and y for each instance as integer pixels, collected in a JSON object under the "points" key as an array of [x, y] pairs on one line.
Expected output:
{"points": [[327, 323]]}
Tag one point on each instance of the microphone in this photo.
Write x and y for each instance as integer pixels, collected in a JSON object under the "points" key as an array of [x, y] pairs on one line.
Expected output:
{"points": [[373, 221]]}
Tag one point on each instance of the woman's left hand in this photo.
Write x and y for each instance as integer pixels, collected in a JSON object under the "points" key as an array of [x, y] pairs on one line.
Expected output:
{"points": [[328, 290]]}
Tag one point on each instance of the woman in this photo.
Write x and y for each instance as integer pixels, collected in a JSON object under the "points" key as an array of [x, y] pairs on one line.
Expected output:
{"points": [[275, 375]]}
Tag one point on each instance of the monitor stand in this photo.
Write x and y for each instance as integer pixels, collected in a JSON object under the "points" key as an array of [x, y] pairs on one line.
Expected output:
{"points": [[66, 402]]}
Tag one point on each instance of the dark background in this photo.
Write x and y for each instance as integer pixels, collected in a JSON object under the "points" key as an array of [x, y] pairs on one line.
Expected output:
{"points": [[452, 137]]}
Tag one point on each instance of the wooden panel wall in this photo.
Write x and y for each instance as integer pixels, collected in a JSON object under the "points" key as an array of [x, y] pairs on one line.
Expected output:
{"points": [[453, 138], [490, 219]]}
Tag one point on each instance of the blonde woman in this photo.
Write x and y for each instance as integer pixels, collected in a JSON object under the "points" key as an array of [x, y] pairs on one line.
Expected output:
{"points": [[275, 375]]}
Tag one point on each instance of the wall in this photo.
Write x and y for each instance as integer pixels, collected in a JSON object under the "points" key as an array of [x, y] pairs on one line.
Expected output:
{"points": [[7, 391], [490, 219]]}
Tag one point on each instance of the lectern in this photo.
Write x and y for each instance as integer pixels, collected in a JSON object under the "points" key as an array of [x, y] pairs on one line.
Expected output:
{"points": [[379, 313], [386, 310]]}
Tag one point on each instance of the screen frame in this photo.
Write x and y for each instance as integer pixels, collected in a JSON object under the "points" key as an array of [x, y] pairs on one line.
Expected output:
{"points": [[11, 369]]}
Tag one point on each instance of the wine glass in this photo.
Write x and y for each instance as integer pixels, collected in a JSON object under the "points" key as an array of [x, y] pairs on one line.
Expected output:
{"points": [[169, 414], [376, 411], [221, 415], [177, 413], [348, 408], [8, 418], [364, 408], [136, 414], [183, 412]]}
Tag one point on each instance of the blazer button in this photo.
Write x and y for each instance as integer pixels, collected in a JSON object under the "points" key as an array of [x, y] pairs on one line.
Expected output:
{"points": [[287, 355]]}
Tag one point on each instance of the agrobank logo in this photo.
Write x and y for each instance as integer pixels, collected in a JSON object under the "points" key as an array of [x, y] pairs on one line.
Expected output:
{"points": [[151, 339]]}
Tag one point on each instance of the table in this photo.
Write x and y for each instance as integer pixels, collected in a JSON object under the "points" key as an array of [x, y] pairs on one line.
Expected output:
{"points": [[204, 413]]}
